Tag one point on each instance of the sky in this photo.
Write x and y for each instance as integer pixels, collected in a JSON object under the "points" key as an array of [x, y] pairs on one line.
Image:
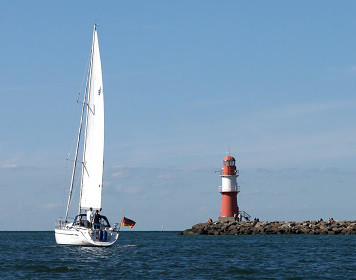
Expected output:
{"points": [[185, 82]]}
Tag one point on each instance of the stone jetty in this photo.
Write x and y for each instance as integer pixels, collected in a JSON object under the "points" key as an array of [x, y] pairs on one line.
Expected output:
{"points": [[253, 228]]}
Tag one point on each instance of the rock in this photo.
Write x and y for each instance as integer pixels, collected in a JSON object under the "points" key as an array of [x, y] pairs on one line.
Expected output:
{"points": [[187, 232], [197, 226], [232, 230], [247, 228], [200, 231]]}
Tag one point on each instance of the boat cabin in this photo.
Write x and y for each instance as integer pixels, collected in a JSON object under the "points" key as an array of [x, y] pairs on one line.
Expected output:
{"points": [[81, 220]]}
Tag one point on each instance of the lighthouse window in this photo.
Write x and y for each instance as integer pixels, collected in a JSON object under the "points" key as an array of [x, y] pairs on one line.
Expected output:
{"points": [[232, 163]]}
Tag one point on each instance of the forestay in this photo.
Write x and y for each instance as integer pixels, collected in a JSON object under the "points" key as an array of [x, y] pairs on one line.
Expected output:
{"points": [[93, 156]]}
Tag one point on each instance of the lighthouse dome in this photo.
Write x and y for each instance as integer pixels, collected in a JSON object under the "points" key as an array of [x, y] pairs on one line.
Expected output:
{"points": [[229, 161], [229, 158]]}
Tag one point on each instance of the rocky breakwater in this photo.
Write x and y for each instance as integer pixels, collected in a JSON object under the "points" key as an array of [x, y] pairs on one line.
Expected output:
{"points": [[253, 228]]}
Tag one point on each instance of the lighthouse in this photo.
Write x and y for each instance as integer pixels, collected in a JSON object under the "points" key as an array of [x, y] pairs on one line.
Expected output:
{"points": [[229, 190]]}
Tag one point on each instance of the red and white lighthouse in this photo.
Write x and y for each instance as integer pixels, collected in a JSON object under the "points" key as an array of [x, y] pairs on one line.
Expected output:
{"points": [[229, 190]]}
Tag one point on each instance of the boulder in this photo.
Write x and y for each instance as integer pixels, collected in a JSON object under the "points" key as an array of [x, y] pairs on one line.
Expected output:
{"points": [[247, 227]]}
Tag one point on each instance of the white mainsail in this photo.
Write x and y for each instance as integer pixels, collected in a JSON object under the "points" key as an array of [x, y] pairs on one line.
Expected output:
{"points": [[93, 155]]}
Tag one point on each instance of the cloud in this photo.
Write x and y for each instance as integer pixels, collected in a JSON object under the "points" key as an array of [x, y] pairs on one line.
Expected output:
{"points": [[49, 205], [352, 69], [343, 69], [129, 190], [166, 176], [297, 110], [300, 171], [120, 174], [279, 193], [254, 192], [16, 167], [165, 192], [8, 166], [301, 207], [123, 171]]}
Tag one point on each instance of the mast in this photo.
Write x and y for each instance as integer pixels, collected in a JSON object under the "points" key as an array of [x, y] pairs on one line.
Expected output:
{"points": [[75, 158]]}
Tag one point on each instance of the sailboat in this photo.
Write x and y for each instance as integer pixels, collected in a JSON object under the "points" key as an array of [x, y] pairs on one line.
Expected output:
{"points": [[82, 231]]}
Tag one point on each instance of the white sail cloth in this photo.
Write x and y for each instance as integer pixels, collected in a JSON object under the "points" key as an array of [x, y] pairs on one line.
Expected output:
{"points": [[93, 155]]}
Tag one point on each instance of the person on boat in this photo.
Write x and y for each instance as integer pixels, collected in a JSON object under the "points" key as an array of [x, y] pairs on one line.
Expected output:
{"points": [[90, 215], [96, 222]]}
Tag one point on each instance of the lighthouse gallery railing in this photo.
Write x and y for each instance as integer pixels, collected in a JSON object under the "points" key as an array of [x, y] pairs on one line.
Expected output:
{"points": [[231, 189]]}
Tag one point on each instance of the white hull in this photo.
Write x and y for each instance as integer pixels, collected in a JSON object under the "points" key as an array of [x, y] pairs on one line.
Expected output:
{"points": [[81, 236]]}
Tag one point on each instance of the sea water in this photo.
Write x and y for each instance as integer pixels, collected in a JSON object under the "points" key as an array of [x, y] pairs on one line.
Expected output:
{"points": [[168, 255]]}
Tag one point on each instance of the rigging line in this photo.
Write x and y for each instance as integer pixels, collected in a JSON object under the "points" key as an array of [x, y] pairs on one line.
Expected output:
{"points": [[65, 184], [84, 74], [75, 159], [76, 184], [85, 167], [77, 147], [70, 150], [72, 160], [80, 89], [75, 187]]}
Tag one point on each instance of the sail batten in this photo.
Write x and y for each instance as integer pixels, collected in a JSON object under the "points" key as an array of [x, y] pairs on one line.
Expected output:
{"points": [[93, 154]]}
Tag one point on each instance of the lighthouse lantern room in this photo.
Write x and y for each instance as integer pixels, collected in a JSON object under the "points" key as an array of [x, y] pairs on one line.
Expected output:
{"points": [[229, 190]]}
